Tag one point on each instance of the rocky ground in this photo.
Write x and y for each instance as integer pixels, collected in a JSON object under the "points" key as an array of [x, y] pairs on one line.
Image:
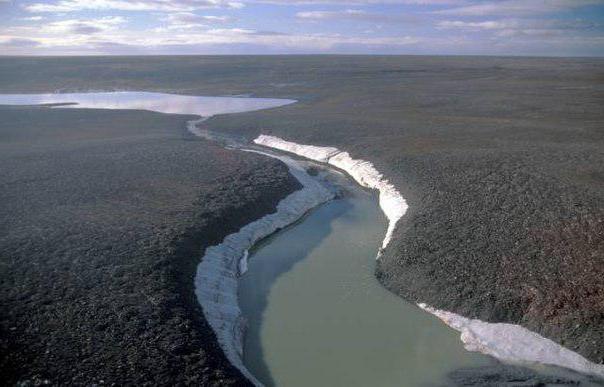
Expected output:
{"points": [[500, 159], [502, 164], [103, 219], [497, 375]]}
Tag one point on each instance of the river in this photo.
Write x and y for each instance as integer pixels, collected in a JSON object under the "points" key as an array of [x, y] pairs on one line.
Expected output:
{"points": [[317, 316]]}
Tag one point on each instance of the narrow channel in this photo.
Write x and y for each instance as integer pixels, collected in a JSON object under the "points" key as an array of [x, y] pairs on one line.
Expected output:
{"points": [[317, 316]]}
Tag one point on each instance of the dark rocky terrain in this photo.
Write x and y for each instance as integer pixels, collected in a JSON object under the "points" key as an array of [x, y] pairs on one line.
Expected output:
{"points": [[508, 375], [502, 163], [103, 219], [500, 159]]}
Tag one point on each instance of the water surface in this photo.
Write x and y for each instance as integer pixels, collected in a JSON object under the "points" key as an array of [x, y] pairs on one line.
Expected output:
{"points": [[318, 316], [157, 102]]}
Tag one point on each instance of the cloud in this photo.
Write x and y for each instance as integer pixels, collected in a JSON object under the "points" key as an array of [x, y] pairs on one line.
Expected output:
{"points": [[135, 5], [192, 5], [18, 42], [323, 15], [153, 41], [32, 18], [84, 27], [517, 7], [316, 42], [522, 27], [186, 19], [251, 41], [358, 2], [189, 21], [484, 25], [216, 19], [353, 15], [184, 26]]}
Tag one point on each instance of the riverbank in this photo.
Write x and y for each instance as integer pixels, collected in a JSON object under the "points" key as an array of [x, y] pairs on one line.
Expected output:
{"points": [[103, 218], [346, 329], [506, 342], [218, 273]]}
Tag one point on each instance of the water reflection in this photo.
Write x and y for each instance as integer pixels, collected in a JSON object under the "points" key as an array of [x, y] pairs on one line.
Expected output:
{"points": [[157, 102]]}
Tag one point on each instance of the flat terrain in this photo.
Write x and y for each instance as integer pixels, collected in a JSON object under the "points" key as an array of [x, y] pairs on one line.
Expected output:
{"points": [[502, 163], [103, 219], [500, 159]]}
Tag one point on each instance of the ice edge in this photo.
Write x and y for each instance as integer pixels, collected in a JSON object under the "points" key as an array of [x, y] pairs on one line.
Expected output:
{"points": [[363, 172], [216, 281], [506, 342]]}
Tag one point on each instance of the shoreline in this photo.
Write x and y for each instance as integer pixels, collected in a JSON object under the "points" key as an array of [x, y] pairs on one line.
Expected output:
{"points": [[142, 198], [216, 280], [476, 335]]}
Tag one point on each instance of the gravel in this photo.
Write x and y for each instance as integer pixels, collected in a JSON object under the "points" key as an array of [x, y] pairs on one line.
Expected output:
{"points": [[104, 218]]}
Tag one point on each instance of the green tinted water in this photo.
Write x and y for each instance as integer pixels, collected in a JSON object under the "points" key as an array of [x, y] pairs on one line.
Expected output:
{"points": [[317, 316]]}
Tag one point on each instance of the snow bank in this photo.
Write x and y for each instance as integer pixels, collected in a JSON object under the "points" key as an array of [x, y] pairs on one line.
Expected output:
{"points": [[507, 342], [216, 282], [391, 201], [513, 343]]}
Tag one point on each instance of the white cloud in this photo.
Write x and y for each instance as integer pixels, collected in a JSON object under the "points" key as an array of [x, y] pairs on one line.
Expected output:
{"points": [[358, 2], [483, 25], [33, 18], [192, 5], [13, 42], [354, 15], [315, 14], [152, 40], [83, 26], [190, 20], [177, 26], [322, 15], [135, 5], [522, 27], [241, 35], [516, 7]]}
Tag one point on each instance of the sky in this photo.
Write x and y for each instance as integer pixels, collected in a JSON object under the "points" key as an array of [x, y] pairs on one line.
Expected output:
{"points": [[431, 27]]}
